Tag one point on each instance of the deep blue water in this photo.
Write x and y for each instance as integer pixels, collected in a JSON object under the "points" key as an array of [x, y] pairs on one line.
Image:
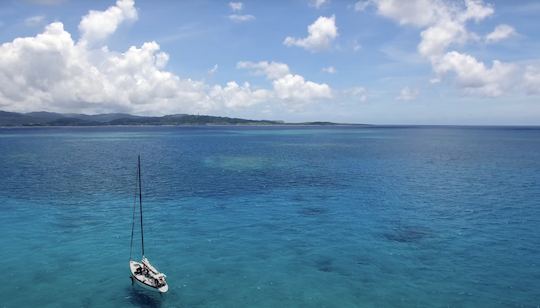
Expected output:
{"points": [[273, 216]]}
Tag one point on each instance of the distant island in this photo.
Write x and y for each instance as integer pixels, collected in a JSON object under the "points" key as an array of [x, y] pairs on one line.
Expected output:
{"points": [[43, 118]]}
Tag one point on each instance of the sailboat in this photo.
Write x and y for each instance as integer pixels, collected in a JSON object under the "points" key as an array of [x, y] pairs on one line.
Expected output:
{"points": [[143, 273]]}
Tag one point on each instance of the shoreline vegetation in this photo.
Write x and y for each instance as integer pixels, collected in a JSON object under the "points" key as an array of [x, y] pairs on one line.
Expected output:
{"points": [[48, 119]]}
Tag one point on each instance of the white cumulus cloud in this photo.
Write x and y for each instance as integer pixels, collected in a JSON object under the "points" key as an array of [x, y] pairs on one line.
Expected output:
{"points": [[55, 73], [272, 70], [234, 95], [407, 94], [286, 85], [241, 18], [296, 88], [213, 70], [443, 27], [437, 38], [236, 6], [532, 80], [329, 70], [98, 25], [361, 5], [34, 20], [501, 32], [51, 71], [358, 93], [318, 3], [474, 76], [413, 12], [321, 34]]}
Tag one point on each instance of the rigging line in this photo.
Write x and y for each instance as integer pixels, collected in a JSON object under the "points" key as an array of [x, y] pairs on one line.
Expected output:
{"points": [[140, 204], [133, 220]]}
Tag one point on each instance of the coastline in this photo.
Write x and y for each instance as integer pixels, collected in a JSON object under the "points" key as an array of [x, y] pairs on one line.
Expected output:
{"points": [[284, 125], [194, 125]]}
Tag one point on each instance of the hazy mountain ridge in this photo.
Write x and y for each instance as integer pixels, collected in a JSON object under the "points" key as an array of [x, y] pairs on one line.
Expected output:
{"points": [[43, 118]]}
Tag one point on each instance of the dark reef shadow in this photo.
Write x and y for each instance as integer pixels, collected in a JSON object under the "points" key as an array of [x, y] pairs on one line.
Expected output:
{"points": [[325, 264], [313, 211], [298, 198], [142, 298], [407, 234]]}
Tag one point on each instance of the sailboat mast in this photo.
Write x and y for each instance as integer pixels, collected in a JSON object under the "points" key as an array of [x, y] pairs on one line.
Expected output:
{"points": [[140, 202]]}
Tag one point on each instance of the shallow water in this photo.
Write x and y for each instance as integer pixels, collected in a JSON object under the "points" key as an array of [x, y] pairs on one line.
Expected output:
{"points": [[273, 216]]}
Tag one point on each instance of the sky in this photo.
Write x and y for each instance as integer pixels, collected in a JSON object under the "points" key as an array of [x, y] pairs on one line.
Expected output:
{"points": [[469, 62]]}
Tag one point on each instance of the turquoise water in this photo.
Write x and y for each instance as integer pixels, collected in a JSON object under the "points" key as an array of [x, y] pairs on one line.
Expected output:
{"points": [[273, 216]]}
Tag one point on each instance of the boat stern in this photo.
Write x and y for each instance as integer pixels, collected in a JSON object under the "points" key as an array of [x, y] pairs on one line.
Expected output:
{"points": [[146, 282], [164, 288]]}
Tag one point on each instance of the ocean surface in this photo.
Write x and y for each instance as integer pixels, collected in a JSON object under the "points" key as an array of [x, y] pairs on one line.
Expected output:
{"points": [[273, 216]]}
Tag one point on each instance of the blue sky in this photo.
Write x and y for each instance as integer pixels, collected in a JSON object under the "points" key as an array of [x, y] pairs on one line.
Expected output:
{"points": [[367, 61]]}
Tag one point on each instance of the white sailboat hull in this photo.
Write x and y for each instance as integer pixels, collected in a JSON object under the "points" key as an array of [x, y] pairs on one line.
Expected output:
{"points": [[145, 282]]}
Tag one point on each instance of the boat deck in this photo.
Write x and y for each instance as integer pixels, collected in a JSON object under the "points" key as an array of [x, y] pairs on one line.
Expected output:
{"points": [[149, 279]]}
